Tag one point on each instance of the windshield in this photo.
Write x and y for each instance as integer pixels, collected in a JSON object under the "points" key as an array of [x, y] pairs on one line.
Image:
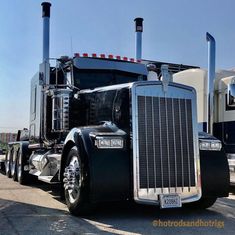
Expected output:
{"points": [[89, 79]]}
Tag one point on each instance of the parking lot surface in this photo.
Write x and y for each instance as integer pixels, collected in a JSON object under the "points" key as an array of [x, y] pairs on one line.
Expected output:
{"points": [[37, 209]]}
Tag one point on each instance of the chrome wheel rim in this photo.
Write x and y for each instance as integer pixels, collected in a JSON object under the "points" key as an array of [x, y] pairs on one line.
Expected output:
{"points": [[12, 168], [72, 179], [19, 168], [7, 165], [13, 163]]}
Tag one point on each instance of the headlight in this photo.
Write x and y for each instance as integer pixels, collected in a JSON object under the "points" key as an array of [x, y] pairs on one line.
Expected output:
{"points": [[210, 145], [109, 142]]}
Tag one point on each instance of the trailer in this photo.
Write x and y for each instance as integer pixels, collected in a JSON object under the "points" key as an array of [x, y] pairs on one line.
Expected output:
{"points": [[215, 103], [108, 128]]}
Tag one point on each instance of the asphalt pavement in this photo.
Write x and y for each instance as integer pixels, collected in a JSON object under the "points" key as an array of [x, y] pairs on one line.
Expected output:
{"points": [[37, 209]]}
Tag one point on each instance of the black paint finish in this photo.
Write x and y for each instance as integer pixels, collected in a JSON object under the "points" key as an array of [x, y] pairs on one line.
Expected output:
{"points": [[225, 131], [214, 174], [46, 9], [109, 169], [98, 106]]}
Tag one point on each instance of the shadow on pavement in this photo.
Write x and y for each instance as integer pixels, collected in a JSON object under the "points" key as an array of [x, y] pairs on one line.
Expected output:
{"points": [[21, 218], [111, 218]]}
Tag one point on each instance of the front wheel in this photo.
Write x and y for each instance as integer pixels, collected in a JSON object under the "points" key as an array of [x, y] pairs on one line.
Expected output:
{"points": [[76, 184]]}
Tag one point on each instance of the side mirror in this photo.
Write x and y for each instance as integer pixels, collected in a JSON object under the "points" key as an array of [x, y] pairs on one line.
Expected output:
{"points": [[231, 95]]}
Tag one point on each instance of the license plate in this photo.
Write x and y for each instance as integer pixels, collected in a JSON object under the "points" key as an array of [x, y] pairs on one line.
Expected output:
{"points": [[170, 201]]}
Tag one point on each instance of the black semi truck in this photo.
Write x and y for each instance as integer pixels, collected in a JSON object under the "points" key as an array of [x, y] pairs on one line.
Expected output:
{"points": [[106, 130]]}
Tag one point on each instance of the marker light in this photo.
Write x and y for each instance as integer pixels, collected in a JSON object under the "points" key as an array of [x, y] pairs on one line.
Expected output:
{"points": [[110, 56]]}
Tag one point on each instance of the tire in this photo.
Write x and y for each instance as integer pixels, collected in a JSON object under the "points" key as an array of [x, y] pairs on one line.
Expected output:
{"points": [[2, 168], [22, 175], [8, 163], [14, 165], [76, 184], [203, 203]]}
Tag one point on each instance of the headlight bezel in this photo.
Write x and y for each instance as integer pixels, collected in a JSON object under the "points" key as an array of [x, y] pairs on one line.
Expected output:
{"points": [[210, 145], [109, 142]]}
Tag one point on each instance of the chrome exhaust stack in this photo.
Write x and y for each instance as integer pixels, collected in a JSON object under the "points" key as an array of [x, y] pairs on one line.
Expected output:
{"points": [[46, 30], [138, 30], [210, 81], [44, 70]]}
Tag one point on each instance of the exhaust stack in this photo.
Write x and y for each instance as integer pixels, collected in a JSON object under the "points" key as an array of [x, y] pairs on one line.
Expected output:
{"points": [[46, 30], [210, 81], [138, 30]]}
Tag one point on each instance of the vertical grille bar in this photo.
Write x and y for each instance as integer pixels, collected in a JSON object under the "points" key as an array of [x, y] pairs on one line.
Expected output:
{"points": [[160, 131], [181, 144], [167, 136], [186, 117], [154, 143], [146, 140], [173, 121]]}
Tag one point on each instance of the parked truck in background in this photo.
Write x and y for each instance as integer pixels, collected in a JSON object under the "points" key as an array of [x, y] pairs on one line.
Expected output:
{"points": [[105, 132], [219, 87]]}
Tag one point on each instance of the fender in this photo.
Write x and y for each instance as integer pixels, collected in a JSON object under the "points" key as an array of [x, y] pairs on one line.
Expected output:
{"points": [[109, 169], [214, 173], [214, 170]]}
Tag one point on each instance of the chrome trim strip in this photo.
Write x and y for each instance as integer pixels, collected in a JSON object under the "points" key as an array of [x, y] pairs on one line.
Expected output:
{"points": [[32, 146], [153, 198]]}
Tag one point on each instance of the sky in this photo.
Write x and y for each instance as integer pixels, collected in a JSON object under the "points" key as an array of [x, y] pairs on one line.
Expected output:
{"points": [[174, 31]]}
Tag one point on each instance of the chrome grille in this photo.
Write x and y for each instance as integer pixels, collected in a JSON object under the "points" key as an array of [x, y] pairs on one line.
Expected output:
{"points": [[166, 150]]}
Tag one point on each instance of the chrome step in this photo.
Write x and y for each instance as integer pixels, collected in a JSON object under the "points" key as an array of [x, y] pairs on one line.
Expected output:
{"points": [[49, 179]]}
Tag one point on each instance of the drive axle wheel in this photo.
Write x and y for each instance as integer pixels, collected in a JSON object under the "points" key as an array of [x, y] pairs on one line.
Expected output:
{"points": [[14, 165], [8, 163], [22, 175], [76, 184]]}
